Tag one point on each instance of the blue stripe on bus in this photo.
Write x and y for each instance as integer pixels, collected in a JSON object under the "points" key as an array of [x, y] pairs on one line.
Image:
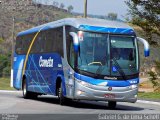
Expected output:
{"points": [[111, 83], [107, 30], [85, 27]]}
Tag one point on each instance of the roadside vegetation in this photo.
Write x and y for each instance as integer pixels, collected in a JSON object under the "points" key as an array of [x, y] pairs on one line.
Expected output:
{"points": [[154, 77], [148, 91], [149, 95], [5, 65], [5, 83]]}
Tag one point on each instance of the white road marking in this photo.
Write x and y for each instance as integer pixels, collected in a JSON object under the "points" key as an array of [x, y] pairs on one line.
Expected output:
{"points": [[9, 91], [148, 102], [141, 101]]}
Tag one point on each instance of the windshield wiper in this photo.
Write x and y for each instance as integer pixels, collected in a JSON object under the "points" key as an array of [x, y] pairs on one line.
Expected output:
{"points": [[121, 72]]}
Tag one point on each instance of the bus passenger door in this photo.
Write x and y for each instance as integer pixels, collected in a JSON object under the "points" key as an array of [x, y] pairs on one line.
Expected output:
{"points": [[69, 67]]}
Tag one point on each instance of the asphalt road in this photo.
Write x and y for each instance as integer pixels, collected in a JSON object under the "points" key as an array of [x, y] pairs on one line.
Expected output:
{"points": [[13, 103]]}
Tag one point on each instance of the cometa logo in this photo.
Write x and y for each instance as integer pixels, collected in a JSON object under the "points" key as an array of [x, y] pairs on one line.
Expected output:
{"points": [[45, 62]]}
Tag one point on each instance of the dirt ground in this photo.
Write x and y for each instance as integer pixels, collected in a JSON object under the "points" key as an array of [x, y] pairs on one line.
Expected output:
{"points": [[146, 85]]}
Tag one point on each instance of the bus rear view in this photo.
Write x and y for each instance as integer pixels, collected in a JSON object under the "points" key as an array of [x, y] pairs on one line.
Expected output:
{"points": [[89, 59]]}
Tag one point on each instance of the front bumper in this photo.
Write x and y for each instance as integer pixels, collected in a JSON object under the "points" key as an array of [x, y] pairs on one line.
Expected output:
{"points": [[98, 93]]}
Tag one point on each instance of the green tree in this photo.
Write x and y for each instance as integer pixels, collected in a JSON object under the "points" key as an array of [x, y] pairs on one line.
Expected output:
{"points": [[146, 14], [5, 65], [147, 28], [62, 5], [1, 40], [55, 4], [157, 63], [154, 76], [70, 8], [112, 16]]}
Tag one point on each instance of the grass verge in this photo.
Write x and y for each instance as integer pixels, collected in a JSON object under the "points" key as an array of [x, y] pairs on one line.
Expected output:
{"points": [[150, 95], [5, 84]]}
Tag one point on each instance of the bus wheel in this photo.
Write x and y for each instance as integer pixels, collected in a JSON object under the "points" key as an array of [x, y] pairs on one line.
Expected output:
{"points": [[112, 104], [26, 94], [60, 95]]}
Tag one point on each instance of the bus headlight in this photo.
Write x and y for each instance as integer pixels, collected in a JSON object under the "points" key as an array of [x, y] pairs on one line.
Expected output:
{"points": [[84, 83], [133, 86], [80, 92]]}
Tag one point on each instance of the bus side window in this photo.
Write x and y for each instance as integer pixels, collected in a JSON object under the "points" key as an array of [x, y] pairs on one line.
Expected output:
{"points": [[53, 41], [49, 41], [42, 42], [37, 45], [69, 45], [70, 49], [59, 40]]}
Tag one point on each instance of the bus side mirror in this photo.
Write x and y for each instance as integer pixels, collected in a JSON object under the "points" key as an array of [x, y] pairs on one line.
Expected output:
{"points": [[146, 46], [75, 41]]}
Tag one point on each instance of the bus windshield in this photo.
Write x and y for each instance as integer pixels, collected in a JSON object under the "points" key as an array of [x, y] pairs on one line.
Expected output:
{"points": [[124, 55], [108, 55]]}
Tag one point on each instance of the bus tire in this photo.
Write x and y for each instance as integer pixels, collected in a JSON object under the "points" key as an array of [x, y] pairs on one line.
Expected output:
{"points": [[60, 95], [112, 104], [26, 93]]}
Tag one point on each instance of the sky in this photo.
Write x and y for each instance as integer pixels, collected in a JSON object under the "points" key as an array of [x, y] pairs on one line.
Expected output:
{"points": [[97, 7]]}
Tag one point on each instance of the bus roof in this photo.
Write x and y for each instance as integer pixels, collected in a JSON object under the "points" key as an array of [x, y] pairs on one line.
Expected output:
{"points": [[86, 24]]}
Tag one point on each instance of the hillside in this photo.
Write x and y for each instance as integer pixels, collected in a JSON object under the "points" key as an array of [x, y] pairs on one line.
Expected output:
{"points": [[19, 15], [24, 17]]}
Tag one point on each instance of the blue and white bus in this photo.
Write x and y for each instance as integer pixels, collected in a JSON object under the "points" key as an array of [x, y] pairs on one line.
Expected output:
{"points": [[79, 59]]}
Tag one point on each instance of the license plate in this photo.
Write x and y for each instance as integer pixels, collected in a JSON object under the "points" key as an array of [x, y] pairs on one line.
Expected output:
{"points": [[110, 96]]}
